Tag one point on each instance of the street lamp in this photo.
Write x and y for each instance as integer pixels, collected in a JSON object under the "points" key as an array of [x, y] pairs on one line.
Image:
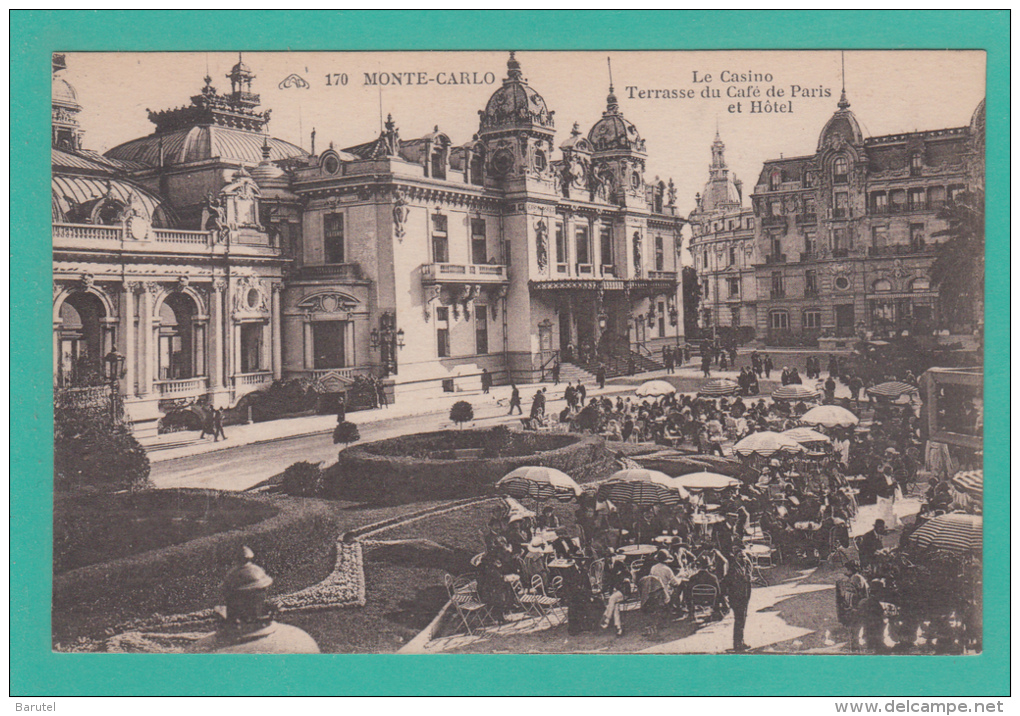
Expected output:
{"points": [[387, 339]]}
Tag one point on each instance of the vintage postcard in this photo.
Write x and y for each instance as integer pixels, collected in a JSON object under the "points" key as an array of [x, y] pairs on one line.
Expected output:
{"points": [[518, 352]]}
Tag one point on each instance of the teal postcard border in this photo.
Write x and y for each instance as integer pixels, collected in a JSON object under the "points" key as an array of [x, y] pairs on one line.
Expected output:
{"points": [[35, 670]]}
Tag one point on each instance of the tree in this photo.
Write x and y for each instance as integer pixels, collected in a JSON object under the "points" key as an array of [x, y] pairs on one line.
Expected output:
{"points": [[958, 271], [692, 299], [462, 412], [346, 433]]}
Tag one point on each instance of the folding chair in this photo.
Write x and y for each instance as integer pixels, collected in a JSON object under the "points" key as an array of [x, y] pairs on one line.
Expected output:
{"points": [[703, 596], [596, 575], [547, 601], [533, 604], [466, 603]]}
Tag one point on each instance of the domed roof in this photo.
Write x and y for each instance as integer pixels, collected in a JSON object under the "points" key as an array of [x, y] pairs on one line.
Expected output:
{"points": [[977, 120], [64, 94], [201, 143], [614, 131], [842, 127], [267, 174], [77, 199], [515, 104]]}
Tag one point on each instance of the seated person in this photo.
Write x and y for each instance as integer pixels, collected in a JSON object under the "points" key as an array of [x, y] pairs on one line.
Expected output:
{"points": [[618, 587], [494, 591], [547, 519]]}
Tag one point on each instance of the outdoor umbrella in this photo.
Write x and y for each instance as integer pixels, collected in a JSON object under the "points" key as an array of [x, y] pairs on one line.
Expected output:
{"points": [[891, 390], [645, 475], [654, 388], [795, 391], [639, 494], [805, 435], [830, 416], [704, 481], [722, 386], [970, 482], [766, 444], [955, 532], [539, 483]]}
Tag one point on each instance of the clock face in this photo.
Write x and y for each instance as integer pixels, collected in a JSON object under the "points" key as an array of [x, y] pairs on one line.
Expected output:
{"points": [[502, 161]]}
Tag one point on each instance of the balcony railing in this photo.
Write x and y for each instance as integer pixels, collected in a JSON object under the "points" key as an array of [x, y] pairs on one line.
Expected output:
{"points": [[775, 259], [908, 208], [88, 232], [173, 236], [662, 275], [181, 387], [806, 256], [899, 250], [773, 221], [807, 218], [342, 272], [463, 273]]}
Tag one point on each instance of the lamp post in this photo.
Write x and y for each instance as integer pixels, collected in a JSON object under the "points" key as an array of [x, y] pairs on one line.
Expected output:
{"points": [[387, 339], [115, 370]]}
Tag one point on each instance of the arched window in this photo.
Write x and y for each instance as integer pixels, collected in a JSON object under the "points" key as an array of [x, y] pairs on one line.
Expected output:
{"points": [[919, 285], [840, 169], [775, 180], [882, 285], [779, 320]]}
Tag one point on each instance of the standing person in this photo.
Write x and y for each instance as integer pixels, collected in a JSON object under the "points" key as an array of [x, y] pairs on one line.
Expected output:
{"points": [[582, 393], [380, 393], [722, 361], [208, 425], [768, 366], [706, 364], [733, 355], [218, 425], [341, 409], [737, 585], [830, 389], [538, 405], [856, 385], [667, 357], [871, 543], [600, 376], [486, 380], [515, 400], [556, 373]]}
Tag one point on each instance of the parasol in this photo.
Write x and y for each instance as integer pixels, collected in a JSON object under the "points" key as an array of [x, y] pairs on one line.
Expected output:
{"points": [[829, 416], [766, 444], [806, 435], [722, 386], [704, 481], [653, 388], [539, 483], [891, 390], [955, 532], [970, 482], [645, 475], [639, 494], [795, 392]]}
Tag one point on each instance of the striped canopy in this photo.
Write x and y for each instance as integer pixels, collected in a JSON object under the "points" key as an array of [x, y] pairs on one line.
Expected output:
{"points": [[830, 416], [795, 391], [646, 475], [806, 435], [539, 483], [970, 482], [955, 532], [653, 388], [639, 494], [705, 481], [722, 386], [766, 444], [891, 390]]}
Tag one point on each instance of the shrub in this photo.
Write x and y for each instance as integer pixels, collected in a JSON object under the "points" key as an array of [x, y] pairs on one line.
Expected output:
{"points": [[462, 412], [302, 479], [346, 433], [94, 450]]}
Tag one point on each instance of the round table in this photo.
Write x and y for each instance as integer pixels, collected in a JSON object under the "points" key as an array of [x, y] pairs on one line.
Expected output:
{"points": [[758, 550], [700, 518], [637, 550], [665, 539]]}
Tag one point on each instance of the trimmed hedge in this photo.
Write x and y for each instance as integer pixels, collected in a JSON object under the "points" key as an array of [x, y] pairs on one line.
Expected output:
{"points": [[296, 546], [373, 473]]}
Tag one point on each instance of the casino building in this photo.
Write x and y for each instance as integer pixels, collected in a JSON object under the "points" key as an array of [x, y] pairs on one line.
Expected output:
{"points": [[208, 259], [846, 236]]}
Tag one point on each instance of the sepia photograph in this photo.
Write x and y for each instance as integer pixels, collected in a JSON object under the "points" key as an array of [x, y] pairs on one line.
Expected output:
{"points": [[302, 302]]}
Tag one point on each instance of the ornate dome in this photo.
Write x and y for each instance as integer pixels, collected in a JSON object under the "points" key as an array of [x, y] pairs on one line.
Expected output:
{"points": [[201, 143], [515, 104], [977, 120], [64, 94], [842, 127], [267, 174], [614, 131]]}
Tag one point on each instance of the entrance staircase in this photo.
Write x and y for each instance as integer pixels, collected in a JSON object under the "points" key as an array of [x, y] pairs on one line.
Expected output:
{"points": [[618, 362]]}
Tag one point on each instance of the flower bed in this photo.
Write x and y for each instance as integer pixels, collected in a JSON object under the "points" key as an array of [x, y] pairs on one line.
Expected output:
{"points": [[394, 471], [296, 545]]}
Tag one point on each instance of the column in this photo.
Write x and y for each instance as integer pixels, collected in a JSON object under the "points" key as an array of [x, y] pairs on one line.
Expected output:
{"points": [[146, 351], [349, 356], [216, 329], [127, 335], [56, 350], [309, 345], [274, 332]]}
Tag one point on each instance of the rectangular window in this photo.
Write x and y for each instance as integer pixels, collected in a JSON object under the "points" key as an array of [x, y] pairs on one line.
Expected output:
{"points": [[777, 285], [606, 244], [839, 242], [879, 202], [734, 286], [810, 242], [916, 165], [812, 319], [440, 240], [251, 347], [333, 238], [479, 249], [561, 243], [583, 245], [779, 320], [662, 319], [915, 200], [706, 261], [481, 329], [777, 248], [660, 254], [879, 236], [841, 208], [810, 283], [706, 290], [735, 316], [733, 256], [443, 331], [917, 236], [328, 344]]}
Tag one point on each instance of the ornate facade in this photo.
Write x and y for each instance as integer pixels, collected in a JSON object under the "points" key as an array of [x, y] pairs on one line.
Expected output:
{"points": [[847, 236], [210, 259], [723, 248]]}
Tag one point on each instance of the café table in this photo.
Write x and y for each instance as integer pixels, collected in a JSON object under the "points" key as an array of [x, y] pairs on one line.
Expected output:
{"points": [[637, 550]]}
